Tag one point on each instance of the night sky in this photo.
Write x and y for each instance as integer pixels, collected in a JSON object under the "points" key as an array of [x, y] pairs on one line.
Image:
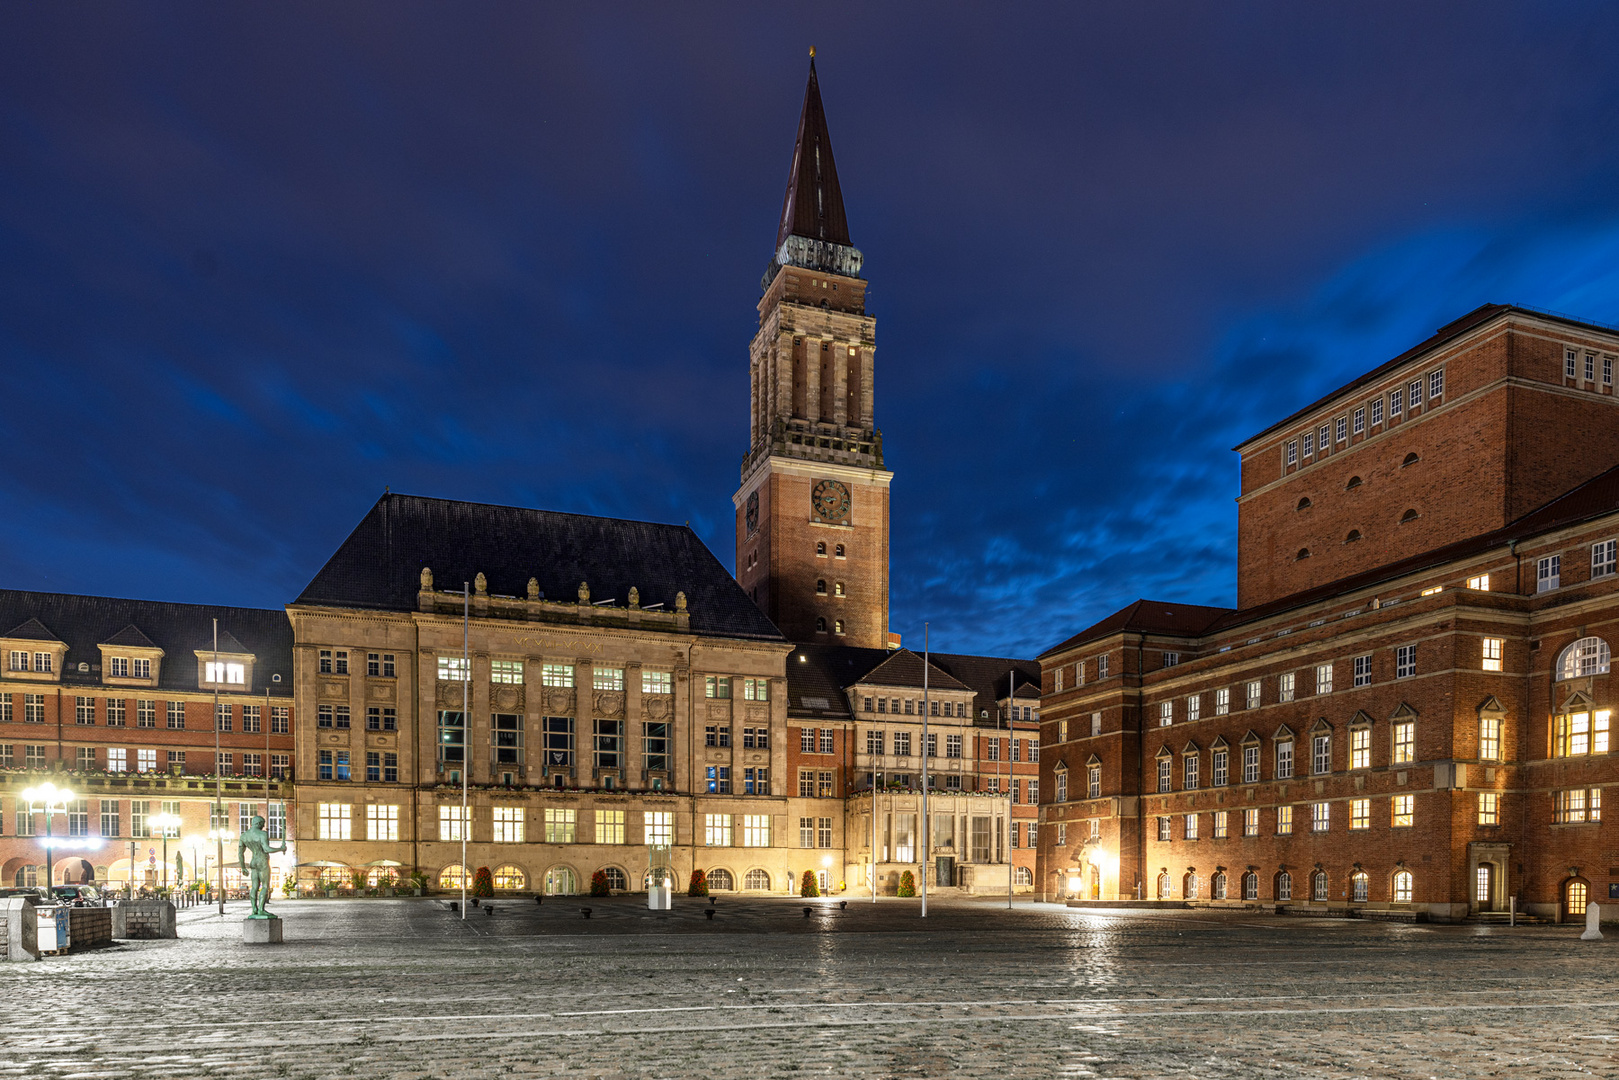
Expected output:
{"points": [[259, 261]]}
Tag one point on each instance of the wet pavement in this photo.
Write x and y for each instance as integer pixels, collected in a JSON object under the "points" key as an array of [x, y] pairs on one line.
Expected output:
{"points": [[409, 989]]}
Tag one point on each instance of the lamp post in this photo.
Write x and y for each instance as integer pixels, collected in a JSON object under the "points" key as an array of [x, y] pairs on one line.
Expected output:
{"points": [[221, 837], [163, 823], [50, 796]]}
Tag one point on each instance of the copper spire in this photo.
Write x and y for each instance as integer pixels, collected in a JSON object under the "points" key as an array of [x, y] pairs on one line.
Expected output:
{"points": [[813, 207]]}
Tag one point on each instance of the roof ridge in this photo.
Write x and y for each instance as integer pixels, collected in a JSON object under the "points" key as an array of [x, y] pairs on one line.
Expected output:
{"points": [[529, 510]]}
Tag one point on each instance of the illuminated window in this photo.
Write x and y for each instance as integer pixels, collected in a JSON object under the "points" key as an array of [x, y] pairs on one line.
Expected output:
{"points": [[1358, 888], [510, 877], [381, 822], [1402, 887], [508, 824], [561, 824], [657, 682], [1579, 733], [659, 828], [453, 669], [1318, 886], [1360, 813], [1284, 821], [1491, 650], [1402, 810], [1284, 687], [756, 830], [1220, 819], [1587, 656], [333, 820], [1323, 678], [1405, 735], [1489, 808], [1253, 695], [607, 678], [1489, 738], [1166, 713], [1320, 817], [1222, 701], [716, 686], [756, 689], [1284, 759], [1194, 707], [717, 830], [1481, 583], [1191, 826], [452, 822], [556, 675], [1360, 748], [1250, 822], [454, 878], [506, 672]]}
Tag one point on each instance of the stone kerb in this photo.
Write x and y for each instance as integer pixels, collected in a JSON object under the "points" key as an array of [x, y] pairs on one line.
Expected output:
{"points": [[19, 929], [143, 919]]}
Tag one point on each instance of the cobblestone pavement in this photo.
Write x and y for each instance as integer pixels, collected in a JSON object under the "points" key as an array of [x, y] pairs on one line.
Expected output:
{"points": [[407, 989]]}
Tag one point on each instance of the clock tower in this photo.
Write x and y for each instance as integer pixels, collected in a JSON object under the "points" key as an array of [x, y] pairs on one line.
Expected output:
{"points": [[812, 509]]}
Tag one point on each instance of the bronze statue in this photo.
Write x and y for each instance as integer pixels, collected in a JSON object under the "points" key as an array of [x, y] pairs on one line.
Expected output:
{"points": [[257, 841]]}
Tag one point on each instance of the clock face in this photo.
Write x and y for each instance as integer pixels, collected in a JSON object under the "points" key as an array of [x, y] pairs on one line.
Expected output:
{"points": [[830, 502], [753, 513]]}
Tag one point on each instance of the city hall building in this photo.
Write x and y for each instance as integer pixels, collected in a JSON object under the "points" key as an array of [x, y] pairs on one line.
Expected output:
{"points": [[1409, 709]]}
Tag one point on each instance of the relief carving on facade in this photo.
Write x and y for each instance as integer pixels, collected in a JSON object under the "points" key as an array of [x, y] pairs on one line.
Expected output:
{"points": [[609, 703], [655, 707], [759, 714], [380, 691], [333, 689], [716, 711], [507, 699], [559, 702], [449, 695]]}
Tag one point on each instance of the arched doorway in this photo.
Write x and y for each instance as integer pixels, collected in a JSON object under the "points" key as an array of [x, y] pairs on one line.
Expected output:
{"points": [[75, 872], [560, 881], [1576, 895], [1484, 887]]}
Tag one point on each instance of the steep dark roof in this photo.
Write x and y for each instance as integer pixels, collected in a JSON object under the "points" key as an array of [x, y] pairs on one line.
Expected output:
{"points": [[1149, 617], [32, 630], [379, 565], [83, 622], [905, 668], [1451, 330], [989, 675], [130, 637], [227, 643], [821, 673], [818, 674], [813, 205]]}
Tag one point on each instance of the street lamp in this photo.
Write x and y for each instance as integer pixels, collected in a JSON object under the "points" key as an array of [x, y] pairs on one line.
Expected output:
{"points": [[165, 822], [50, 796], [220, 837]]}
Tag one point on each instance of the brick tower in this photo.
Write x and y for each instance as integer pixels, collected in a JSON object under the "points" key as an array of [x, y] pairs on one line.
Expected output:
{"points": [[812, 509]]}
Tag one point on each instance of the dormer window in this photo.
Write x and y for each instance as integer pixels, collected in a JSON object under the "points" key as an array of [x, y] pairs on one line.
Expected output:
{"points": [[223, 673]]}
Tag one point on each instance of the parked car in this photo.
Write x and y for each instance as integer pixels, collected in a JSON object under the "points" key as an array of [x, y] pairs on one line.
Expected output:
{"points": [[79, 895], [36, 891]]}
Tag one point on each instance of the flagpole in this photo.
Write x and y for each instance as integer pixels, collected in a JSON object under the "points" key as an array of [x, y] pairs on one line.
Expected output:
{"points": [[925, 658], [219, 807], [466, 724], [1011, 717]]}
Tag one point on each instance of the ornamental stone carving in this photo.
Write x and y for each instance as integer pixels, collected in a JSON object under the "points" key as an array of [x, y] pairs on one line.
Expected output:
{"points": [[380, 691], [584, 593], [449, 695], [507, 699], [533, 588], [655, 707], [719, 712], [759, 713], [559, 701], [480, 584], [427, 579], [680, 601], [635, 597], [333, 689], [609, 703]]}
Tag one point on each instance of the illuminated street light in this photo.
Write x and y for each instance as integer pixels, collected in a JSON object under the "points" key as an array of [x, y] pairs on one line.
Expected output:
{"points": [[50, 796], [164, 822]]}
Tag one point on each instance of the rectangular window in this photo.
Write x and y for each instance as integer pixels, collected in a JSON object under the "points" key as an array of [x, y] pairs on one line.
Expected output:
{"points": [[118, 667], [1164, 835], [806, 832], [251, 722], [559, 676], [177, 761], [561, 824], [659, 828], [1489, 738], [1320, 817], [717, 830], [1360, 421], [719, 779], [1321, 754], [755, 689], [452, 736], [1250, 764], [1323, 678], [506, 732], [1360, 748], [1492, 650], [902, 744], [279, 720], [1360, 813], [1363, 671], [381, 822], [379, 665], [1405, 661], [1250, 822], [85, 757], [826, 741], [1481, 583], [1093, 782], [1101, 666], [1284, 687], [1341, 429], [608, 679], [717, 687], [1166, 713], [114, 710], [508, 823], [1284, 759], [110, 823], [1489, 808], [453, 669], [610, 743], [145, 713], [84, 710], [1220, 770], [1194, 709], [1548, 573], [1190, 827], [1292, 452], [1436, 384], [1402, 810], [1405, 736], [1603, 557], [1164, 768], [1396, 403], [755, 830], [280, 766], [1309, 444], [223, 715], [1590, 367], [874, 742], [806, 740], [657, 682], [1171, 659], [1377, 411], [1222, 701], [953, 746], [333, 820], [506, 672], [1325, 432], [1253, 695], [1415, 391]]}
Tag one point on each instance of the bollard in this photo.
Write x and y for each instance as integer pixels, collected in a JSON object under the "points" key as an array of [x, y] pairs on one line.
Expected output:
{"points": [[711, 901], [1593, 923], [585, 912], [843, 905], [538, 898], [474, 901], [455, 905], [489, 910], [807, 912], [710, 913]]}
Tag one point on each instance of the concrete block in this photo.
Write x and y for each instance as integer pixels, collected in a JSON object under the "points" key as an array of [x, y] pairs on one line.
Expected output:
{"points": [[20, 939], [143, 919], [262, 931]]}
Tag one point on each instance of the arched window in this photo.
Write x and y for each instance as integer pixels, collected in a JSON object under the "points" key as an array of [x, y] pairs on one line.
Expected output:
{"points": [[510, 877], [820, 547], [720, 879], [1358, 888], [820, 586], [1402, 887], [838, 627], [1250, 886], [1022, 875], [757, 881], [617, 880], [1304, 553], [1354, 482], [1318, 885], [1217, 886], [1354, 534], [451, 877], [1587, 656], [838, 551], [1284, 886], [1165, 889], [1189, 885], [1304, 503], [820, 625], [837, 588], [1410, 459], [1575, 898], [1409, 515]]}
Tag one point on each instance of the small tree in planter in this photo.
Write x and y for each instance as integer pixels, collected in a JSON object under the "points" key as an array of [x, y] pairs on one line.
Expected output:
{"points": [[809, 886], [418, 881], [483, 883], [699, 884], [907, 884], [357, 880], [598, 884]]}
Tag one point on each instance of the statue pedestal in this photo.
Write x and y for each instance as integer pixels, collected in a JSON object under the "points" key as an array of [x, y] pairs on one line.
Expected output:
{"points": [[261, 930]]}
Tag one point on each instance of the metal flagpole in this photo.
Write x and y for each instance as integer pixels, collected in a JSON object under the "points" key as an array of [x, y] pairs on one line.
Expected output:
{"points": [[925, 852], [466, 684], [219, 807], [1011, 689]]}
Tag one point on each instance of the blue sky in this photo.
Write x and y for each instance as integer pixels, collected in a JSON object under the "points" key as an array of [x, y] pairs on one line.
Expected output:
{"points": [[255, 264]]}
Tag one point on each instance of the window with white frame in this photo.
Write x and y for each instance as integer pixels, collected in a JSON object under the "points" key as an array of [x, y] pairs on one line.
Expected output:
{"points": [[1250, 763], [1360, 813], [1548, 573], [1415, 392], [1489, 738], [333, 820], [1164, 834], [1360, 748], [755, 830], [1309, 444], [1360, 421], [1190, 827], [1577, 805], [1323, 678], [659, 828], [1253, 693], [1163, 775], [1436, 383], [1341, 429], [1489, 808], [508, 824], [1284, 686], [1325, 432], [1189, 772], [381, 822], [1284, 821], [717, 830], [1363, 671], [1603, 557], [1481, 582], [1094, 781], [1377, 411], [1492, 649], [1587, 656], [1405, 661], [1321, 753], [452, 822], [1292, 452], [657, 682], [1405, 739], [1194, 708], [1101, 666], [453, 669], [506, 672], [559, 676], [1062, 784], [1166, 713], [1220, 767], [1396, 403], [1222, 701], [1284, 759], [1402, 809], [607, 679], [1250, 822], [1218, 832], [1320, 816], [1580, 732]]}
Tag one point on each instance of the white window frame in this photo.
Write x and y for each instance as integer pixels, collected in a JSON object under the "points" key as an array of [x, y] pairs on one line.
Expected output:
{"points": [[1548, 573]]}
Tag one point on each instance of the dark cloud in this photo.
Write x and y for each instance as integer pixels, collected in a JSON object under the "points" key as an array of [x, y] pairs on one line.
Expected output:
{"points": [[255, 264]]}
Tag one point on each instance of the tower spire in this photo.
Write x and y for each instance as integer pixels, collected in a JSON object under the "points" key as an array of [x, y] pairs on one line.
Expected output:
{"points": [[813, 206]]}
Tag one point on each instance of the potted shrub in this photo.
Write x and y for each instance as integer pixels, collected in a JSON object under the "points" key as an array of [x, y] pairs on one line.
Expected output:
{"points": [[809, 886], [357, 881], [699, 884], [483, 883], [289, 887], [907, 884], [598, 884], [418, 882]]}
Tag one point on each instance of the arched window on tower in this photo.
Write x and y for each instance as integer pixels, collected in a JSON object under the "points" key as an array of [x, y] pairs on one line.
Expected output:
{"points": [[838, 551], [820, 625], [820, 547], [820, 586]]}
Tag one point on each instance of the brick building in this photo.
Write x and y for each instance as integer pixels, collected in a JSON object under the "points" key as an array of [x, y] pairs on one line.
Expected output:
{"points": [[1409, 710], [123, 702]]}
